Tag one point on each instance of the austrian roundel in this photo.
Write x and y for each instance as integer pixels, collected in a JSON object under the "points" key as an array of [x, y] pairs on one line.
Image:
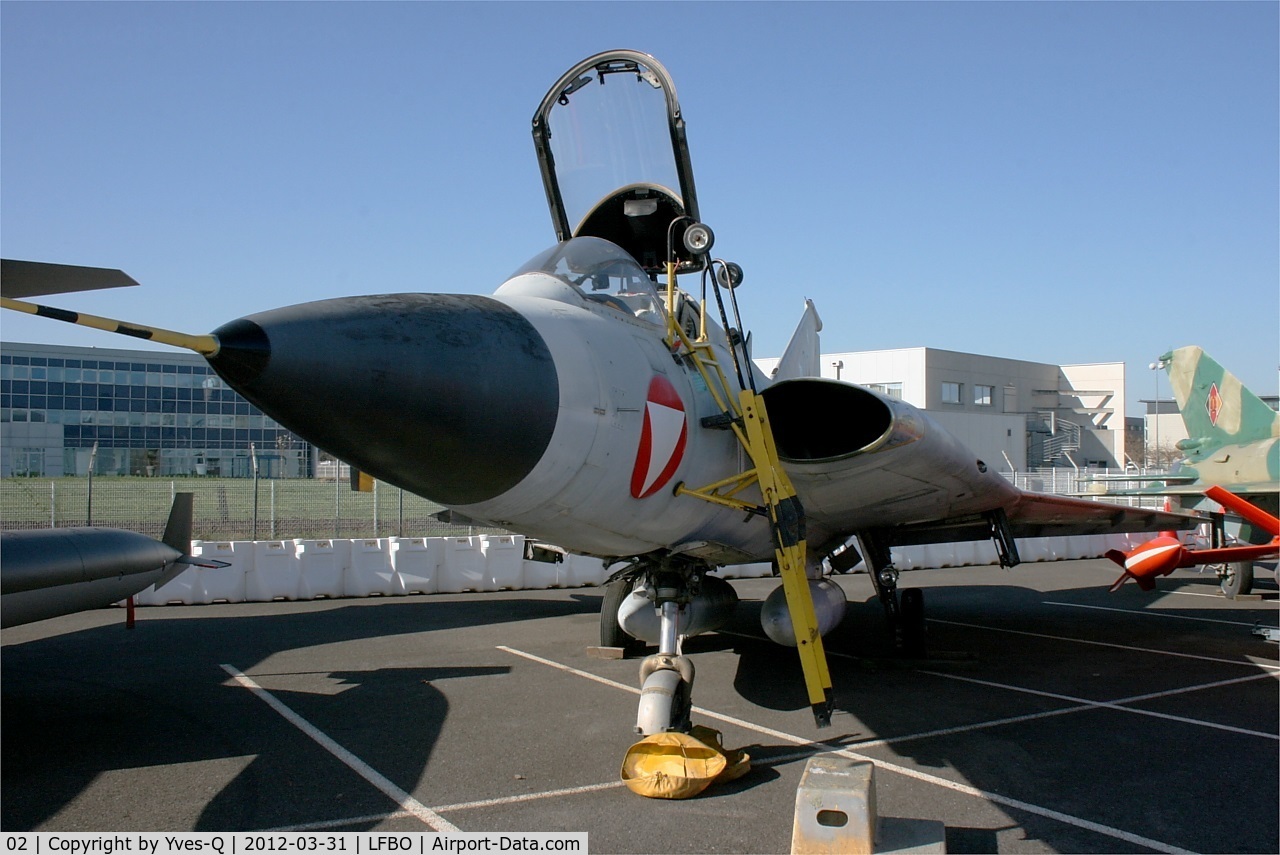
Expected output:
{"points": [[662, 439]]}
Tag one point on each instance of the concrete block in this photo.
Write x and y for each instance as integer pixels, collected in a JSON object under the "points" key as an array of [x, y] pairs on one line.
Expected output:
{"points": [[835, 808], [836, 813]]}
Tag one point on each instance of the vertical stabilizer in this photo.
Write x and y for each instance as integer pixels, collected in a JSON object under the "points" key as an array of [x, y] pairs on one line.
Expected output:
{"points": [[803, 355], [1215, 405], [177, 531]]}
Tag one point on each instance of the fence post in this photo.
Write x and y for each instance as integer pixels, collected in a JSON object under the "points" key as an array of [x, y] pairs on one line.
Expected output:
{"points": [[337, 499], [273, 509], [88, 508], [400, 514], [252, 458], [375, 509], [53, 504]]}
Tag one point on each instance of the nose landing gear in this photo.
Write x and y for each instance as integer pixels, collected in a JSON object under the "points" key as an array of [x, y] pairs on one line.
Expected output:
{"points": [[671, 583]]}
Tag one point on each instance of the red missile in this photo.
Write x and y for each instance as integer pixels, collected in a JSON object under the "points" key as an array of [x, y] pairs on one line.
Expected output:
{"points": [[1162, 555]]}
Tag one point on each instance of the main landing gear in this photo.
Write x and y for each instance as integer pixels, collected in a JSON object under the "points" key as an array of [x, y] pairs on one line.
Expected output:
{"points": [[904, 610]]}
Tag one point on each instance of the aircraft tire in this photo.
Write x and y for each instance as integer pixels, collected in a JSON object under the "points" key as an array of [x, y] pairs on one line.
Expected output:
{"points": [[665, 703], [911, 614], [611, 633], [1237, 580]]}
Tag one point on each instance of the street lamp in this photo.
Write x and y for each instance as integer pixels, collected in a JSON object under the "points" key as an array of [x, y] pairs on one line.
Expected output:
{"points": [[1157, 367]]}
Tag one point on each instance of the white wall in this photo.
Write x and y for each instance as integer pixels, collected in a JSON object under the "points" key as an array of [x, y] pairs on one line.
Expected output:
{"points": [[989, 437]]}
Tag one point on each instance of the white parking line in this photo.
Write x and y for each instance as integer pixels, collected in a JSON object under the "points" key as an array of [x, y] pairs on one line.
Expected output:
{"points": [[1119, 705], [965, 789], [508, 800], [1079, 704], [407, 802], [1129, 647], [1147, 613]]}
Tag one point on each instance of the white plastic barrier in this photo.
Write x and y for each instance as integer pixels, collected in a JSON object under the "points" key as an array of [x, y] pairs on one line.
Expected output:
{"points": [[585, 571], [1079, 546], [745, 571], [909, 557], [179, 589], [275, 574], [370, 570], [984, 552], [320, 567], [222, 584], [416, 562], [305, 569], [541, 575], [1033, 549], [462, 566], [504, 561]]}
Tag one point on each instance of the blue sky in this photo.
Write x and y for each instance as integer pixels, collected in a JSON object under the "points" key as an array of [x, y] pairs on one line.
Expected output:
{"points": [[1057, 182]]}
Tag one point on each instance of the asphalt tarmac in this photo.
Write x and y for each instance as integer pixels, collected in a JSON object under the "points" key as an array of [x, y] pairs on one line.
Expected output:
{"points": [[1050, 716]]}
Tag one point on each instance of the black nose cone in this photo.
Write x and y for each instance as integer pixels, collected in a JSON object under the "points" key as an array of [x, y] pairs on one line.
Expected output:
{"points": [[454, 397], [243, 352]]}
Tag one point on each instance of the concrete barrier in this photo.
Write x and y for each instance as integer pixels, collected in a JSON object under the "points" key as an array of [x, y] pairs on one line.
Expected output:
{"points": [[836, 812]]}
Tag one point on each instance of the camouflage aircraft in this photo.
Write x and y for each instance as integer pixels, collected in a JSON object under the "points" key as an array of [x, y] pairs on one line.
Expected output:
{"points": [[1233, 441]]}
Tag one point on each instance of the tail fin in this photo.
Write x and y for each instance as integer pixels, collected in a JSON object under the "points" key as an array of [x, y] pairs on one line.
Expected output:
{"points": [[177, 535], [1215, 406], [177, 531], [804, 352]]}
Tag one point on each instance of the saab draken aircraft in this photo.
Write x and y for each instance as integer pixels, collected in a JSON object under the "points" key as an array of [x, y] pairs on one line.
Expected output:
{"points": [[594, 403]]}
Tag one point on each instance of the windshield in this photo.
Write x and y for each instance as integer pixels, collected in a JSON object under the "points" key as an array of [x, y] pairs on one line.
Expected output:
{"points": [[602, 273]]}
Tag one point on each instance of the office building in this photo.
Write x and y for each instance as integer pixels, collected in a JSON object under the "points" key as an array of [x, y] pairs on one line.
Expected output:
{"points": [[146, 412]]}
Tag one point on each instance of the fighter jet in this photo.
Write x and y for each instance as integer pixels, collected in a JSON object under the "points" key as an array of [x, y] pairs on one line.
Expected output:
{"points": [[1233, 442], [597, 403]]}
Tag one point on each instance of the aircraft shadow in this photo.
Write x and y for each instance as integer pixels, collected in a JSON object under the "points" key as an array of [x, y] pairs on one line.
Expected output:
{"points": [[82, 706], [1062, 761]]}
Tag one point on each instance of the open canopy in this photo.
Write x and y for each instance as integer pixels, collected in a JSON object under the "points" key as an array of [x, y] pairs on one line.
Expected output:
{"points": [[614, 159]]}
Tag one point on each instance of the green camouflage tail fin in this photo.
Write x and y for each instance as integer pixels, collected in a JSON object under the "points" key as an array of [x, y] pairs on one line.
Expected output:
{"points": [[1215, 405]]}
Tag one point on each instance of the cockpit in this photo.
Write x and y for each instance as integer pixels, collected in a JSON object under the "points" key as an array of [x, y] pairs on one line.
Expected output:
{"points": [[603, 273]]}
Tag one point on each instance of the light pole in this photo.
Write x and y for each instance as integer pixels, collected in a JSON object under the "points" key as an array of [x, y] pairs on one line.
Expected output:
{"points": [[1157, 367]]}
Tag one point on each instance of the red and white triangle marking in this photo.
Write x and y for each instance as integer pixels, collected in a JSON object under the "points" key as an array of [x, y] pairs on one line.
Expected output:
{"points": [[662, 439]]}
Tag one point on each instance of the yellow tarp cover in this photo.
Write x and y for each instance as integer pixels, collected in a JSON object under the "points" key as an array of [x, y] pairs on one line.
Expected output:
{"points": [[680, 765]]}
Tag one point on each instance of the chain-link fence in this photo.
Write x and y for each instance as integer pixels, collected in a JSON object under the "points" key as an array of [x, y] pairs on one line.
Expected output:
{"points": [[225, 508], [283, 509]]}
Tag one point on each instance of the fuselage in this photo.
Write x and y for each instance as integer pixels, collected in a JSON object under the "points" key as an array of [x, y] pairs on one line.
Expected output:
{"points": [[558, 408]]}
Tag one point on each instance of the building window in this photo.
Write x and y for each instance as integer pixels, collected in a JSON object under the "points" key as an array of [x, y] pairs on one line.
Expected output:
{"points": [[892, 390], [951, 392], [984, 396]]}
